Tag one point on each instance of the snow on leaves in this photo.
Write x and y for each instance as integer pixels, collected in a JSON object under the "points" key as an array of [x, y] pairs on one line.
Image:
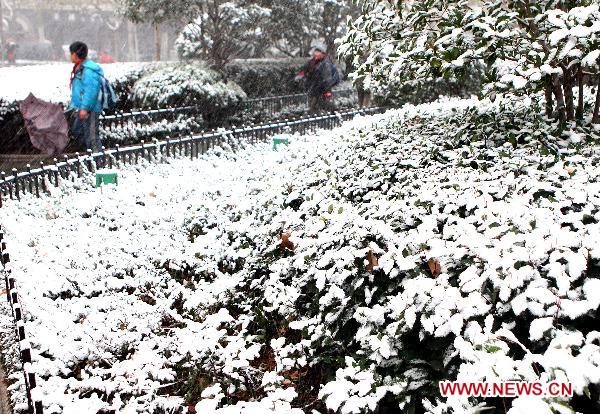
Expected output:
{"points": [[351, 318]]}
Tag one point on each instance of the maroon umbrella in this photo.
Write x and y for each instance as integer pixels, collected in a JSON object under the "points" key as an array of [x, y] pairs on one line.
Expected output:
{"points": [[46, 124]]}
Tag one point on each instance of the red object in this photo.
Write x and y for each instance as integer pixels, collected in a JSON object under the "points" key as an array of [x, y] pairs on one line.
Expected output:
{"points": [[105, 58], [75, 67], [315, 61], [328, 94]]}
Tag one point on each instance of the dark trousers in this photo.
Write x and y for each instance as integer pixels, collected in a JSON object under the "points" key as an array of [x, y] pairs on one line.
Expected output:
{"points": [[319, 104], [86, 131], [364, 98]]}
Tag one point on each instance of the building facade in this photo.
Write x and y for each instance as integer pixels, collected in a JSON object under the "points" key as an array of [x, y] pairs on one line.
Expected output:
{"points": [[42, 27]]}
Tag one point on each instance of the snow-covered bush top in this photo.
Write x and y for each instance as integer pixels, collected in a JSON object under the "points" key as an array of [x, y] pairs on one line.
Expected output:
{"points": [[186, 84], [524, 46], [51, 81], [299, 281]]}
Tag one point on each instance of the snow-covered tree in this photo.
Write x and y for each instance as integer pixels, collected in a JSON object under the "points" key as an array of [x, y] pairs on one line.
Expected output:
{"points": [[224, 30], [154, 11], [526, 46], [293, 25]]}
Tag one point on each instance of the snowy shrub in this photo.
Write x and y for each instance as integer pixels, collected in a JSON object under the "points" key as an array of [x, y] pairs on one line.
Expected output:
{"points": [[124, 85], [133, 132], [350, 272], [13, 137], [526, 48], [429, 90], [260, 78], [339, 282], [186, 85]]}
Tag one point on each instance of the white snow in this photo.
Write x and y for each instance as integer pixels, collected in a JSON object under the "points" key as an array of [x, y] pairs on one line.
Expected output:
{"points": [[118, 295], [50, 81]]}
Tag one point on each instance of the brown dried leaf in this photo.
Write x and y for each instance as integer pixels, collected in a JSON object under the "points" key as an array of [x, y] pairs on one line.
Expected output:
{"points": [[285, 242], [372, 261], [434, 267]]}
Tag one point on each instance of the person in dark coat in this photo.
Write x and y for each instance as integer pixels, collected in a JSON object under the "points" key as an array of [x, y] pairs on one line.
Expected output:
{"points": [[320, 76], [11, 52]]}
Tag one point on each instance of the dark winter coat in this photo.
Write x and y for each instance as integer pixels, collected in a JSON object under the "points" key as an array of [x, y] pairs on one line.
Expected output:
{"points": [[319, 76]]}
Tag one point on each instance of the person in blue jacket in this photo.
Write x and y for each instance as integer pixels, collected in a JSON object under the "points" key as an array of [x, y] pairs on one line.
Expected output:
{"points": [[85, 87]]}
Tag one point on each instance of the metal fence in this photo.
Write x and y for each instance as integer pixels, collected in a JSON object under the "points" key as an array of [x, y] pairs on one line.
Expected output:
{"points": [[270, 106], [38, 180], [34, 402], [273, 105]]}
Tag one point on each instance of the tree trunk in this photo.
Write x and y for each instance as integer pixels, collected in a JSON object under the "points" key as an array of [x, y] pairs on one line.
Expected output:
{"points": [[549, 100], [579, 114], [568, 95], [1, 33], [560, 100], [157, 41], [596, 117]]}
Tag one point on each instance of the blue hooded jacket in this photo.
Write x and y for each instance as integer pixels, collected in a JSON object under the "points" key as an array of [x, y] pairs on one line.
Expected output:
{"points": [[86, 86]]}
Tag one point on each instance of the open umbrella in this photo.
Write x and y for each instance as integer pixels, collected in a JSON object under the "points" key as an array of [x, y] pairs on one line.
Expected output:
{"points": [[46, 124]]}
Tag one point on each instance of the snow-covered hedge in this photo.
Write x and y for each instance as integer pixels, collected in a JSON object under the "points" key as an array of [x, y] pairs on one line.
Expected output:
{"points": [[266, 77], [134, 132], [397, 93], [348, 298], [189, 84], [350, 272]]}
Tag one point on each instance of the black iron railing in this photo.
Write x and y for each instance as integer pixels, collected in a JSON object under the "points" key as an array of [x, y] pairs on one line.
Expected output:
{"points": [[38, 180], [34, 402], [271, 106]]}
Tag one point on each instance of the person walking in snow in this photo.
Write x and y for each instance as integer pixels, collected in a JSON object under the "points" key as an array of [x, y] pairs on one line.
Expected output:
{"points": [[320, 76], [85, 105], [11, 52]]}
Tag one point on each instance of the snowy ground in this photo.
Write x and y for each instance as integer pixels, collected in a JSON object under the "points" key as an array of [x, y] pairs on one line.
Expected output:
{"points": [[183, 280], [49, 81]]}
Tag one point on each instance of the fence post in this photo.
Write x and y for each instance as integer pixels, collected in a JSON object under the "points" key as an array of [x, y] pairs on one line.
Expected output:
{"points": [[156, 150], [3, 175], [29, 178], [78, 165], [43, 168], [55, 172], [103, 162], [69, 169], [90, 159], [17, 186]]}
